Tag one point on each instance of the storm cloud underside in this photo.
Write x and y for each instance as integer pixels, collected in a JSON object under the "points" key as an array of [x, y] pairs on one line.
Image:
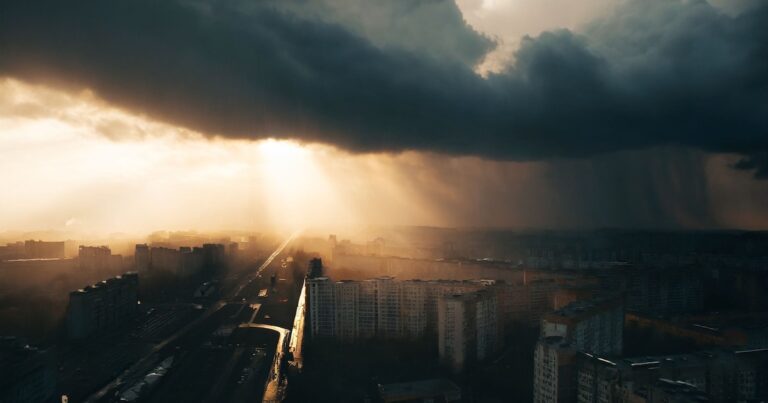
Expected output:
{"points": [[665, 73]]}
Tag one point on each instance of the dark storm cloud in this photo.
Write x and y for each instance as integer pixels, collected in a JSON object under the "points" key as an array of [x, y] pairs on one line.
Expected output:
{"points": [[756, 162], [654, 74]]}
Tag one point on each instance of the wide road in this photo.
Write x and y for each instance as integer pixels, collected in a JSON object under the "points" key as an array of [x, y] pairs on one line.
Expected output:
{"points": [[146, 363], [274, 390], [266, 263]]}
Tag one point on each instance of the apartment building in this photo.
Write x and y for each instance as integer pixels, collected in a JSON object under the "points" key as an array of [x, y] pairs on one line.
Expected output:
{"points": [[102, 305], [468, 328]]}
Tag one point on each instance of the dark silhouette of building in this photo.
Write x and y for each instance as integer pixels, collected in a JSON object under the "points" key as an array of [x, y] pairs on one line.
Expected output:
{"points": [[27, 375], [43, 250], [102, 305]]}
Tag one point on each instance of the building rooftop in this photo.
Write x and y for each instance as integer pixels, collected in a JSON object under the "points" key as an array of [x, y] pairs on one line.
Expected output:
{"points": [[16, 359], [580, 308], [467, 296], [113, 280], [681, 390]]}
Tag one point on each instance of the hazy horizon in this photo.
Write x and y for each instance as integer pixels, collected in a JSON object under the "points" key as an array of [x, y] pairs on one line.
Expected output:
{"points": [[551, 122]]}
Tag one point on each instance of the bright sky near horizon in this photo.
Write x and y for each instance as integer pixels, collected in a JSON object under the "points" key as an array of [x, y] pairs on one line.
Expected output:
{"points": [[70, 161]]}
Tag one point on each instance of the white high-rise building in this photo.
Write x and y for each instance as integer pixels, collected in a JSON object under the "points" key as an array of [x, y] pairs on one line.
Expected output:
{"points": [[367, 309], [468, 329], [346, 304], [388, 307], [413, 298], [383, 307], [554, 371], [322, 312]]}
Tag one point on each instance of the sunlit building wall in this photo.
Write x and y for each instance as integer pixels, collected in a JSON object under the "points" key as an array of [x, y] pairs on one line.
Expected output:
{"points": [[380, 307]]}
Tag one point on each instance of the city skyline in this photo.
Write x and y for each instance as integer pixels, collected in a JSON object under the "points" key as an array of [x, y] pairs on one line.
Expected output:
{"points": [[384, 201]]}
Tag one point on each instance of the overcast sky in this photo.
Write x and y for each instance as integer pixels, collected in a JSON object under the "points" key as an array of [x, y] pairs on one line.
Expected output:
{"points": [[517, 113]]}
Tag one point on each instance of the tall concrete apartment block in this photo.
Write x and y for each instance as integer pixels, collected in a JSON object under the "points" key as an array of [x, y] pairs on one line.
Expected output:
{"points": [[413, 306], [98, 258], [43, 250], [388, 307], [367, 309], [322, 310], [593, 326], [141, 257], [346, 300], [102, 305], [380, 307], [554, 371], [184, 261], [468, 327]]}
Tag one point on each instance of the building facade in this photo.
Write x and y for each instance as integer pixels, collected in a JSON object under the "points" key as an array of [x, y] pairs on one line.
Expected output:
{"points": [[102, 305], [553, 371], [98, 258], [593, 326], [43, 250], [141, 258], [468, 328], [717, 376], [380, 307], [27, 374]]}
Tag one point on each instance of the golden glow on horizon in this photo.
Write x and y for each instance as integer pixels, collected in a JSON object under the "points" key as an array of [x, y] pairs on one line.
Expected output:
{"points": [[70, 162], [75, 163]]}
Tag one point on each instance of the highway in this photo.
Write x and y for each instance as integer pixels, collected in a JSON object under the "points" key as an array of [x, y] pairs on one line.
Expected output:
{"points": [[274, 390], [188, 340], [266, 263]]}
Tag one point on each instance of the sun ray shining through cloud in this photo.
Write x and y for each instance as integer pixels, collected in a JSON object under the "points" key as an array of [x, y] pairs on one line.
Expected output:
{"points": [[72, 162]]}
